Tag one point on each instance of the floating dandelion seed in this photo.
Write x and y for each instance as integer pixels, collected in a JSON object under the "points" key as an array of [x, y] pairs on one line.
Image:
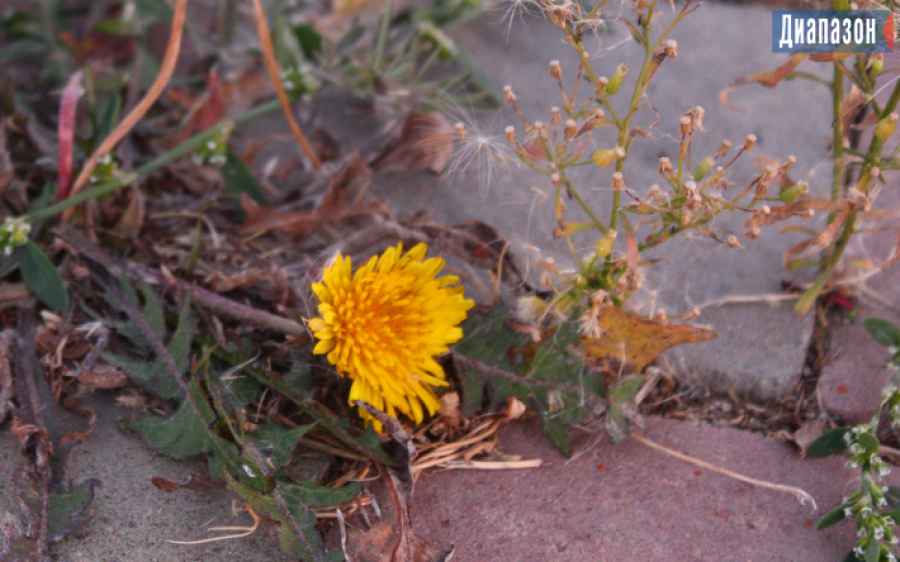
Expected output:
{"points": [[383, 326]]}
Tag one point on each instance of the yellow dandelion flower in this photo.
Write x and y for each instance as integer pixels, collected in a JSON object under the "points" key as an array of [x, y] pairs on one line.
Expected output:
{"points": [[383, 326]]}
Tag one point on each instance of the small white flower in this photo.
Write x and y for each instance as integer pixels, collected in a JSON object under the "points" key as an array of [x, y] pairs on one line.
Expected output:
{"points": [[881, 502], [848, 512], [879, 533], [856, 448], [858, 551], [895, 539], [884, 470], [211, 144], [853, 464]]}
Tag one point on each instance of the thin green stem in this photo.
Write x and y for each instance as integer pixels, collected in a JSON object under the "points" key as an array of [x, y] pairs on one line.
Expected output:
{"points": [[160, 161]]}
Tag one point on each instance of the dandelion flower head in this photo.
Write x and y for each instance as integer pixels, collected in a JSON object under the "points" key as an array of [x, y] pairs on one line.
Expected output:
{"points": [[383, 325]]}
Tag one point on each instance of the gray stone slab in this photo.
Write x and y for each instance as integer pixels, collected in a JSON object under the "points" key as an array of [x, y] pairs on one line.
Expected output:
{"points": [[132, 518], [761, 349], [629, 502]]}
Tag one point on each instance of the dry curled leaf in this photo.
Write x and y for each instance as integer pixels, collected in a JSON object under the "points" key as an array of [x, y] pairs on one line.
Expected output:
{"points": [[425, 143], [761, 218], [767, 79], [635, 342], [339, 203]]}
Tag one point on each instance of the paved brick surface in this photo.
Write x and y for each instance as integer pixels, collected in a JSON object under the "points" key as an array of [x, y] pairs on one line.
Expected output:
{"points": [[629, 502]]}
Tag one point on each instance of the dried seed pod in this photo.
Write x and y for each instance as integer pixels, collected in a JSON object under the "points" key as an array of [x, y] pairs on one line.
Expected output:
{"points": [[605, 157], [554, 178], [571, 128], [511, 134], [602, 85], [751, 140], [723, 148], [732, 242], [618, 181], [509, 95], [685, 125], [555, 116], [665, 166], [555, 70], [672, 49]]}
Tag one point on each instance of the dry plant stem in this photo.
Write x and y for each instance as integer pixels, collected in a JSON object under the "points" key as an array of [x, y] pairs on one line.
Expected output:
{"points": [[798, 493], [265, 38], [872, 156], [837, 94], [227, 307], [162, 79]]}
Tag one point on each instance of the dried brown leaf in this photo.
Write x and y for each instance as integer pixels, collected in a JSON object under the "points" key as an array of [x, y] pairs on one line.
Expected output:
{"points": [[626, 338], [425, 143], [194, 483], [784, 212], [767, 79], [105, 377]]}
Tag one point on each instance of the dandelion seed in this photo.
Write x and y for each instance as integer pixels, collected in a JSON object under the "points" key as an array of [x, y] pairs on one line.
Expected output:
{"points": [[383, 326]]}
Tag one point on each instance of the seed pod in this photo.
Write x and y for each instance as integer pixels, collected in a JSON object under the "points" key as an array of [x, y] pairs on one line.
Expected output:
{"points": [[751, 140], [705, 166], [790, 194], [616, 81], [571, 128], [509, 95], [732, 242], [877, 63], [604, 246], [685, 124], [723, 148], [555, 116], [511, 134], [554, 178], [618, 181], [665, 166], [604, 157], [672, 49], [602, 85], [555, 70], [885, 127]]}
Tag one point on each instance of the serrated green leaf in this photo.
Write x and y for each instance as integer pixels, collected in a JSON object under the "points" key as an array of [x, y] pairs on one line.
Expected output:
{"points": [[42, 277], [268, 506], [311, 494], [829, 443], [886, 333], [238, 179], [153, 309], [557, 434], [155, 375], [833, 517], [182, 435], [278, 442]]}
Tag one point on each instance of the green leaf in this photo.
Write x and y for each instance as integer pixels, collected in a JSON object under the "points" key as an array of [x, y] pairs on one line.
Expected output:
{"points": [[833, 517], [309, 39], [106, 115], [155, 376], [557, 434], [311, 494], [886, 333], [873, 553], [184, 434], [42, 277], [893, 496], [895, 515], [268, 506], [277, 442], [869, 442], [68, 509], [850, 557], [238, 179], [829, 443]]}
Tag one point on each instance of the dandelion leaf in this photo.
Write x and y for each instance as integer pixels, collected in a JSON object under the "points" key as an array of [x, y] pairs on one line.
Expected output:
{"points": [[278, 442], [183, 434], [632, 342]]}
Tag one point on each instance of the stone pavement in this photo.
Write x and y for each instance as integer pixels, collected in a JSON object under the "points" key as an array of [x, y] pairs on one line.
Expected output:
{"points": [[612, 502], [761, 348]]}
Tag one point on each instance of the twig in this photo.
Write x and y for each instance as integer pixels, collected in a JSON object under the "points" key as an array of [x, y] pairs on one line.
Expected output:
{"points": [[162, 80], [801, 495], [265, 38]]}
